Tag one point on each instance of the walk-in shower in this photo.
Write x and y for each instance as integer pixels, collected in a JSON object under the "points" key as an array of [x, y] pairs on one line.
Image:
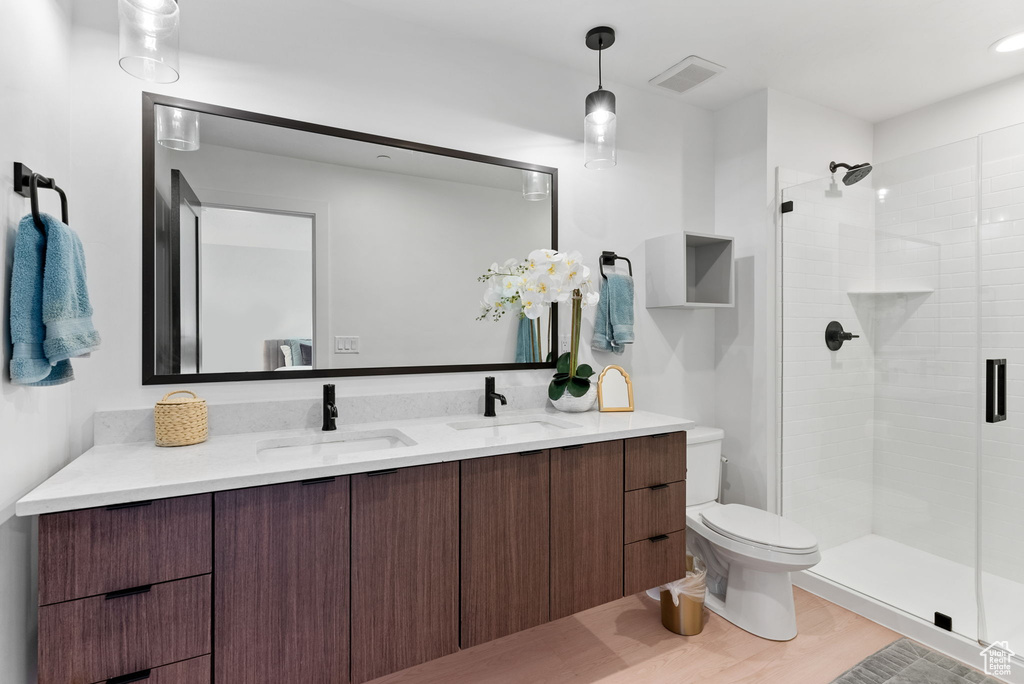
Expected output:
{"points": [[886, 453]]}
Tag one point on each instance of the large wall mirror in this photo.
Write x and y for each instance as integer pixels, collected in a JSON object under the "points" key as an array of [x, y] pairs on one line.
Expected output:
{"points": [[277, 248]]}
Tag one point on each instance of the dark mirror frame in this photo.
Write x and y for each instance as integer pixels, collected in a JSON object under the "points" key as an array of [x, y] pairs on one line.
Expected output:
{"points": [[149, 375]]}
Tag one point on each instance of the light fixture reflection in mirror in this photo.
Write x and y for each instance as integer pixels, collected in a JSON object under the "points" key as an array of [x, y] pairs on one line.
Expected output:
{"points": [[148, 39], [177, 129], [536, 186], [614, 390]]}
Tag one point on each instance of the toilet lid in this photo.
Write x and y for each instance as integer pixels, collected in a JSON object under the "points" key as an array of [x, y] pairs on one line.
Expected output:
{"points": [[744, 523]]}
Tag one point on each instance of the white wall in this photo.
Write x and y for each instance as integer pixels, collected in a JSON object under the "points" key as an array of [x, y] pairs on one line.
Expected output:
{"points": [[41, 428], [460, 95], [958, 118], [753, 137], [741, 333]]}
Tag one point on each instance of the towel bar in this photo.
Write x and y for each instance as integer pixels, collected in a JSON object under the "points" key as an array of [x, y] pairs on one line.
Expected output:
{"points": [[608, 259], [27, 184]]}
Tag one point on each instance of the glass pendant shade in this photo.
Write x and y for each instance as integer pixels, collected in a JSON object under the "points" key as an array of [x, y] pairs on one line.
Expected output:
{"points": [[536, 186], [177, 129], [599, 130], [148, 38]]}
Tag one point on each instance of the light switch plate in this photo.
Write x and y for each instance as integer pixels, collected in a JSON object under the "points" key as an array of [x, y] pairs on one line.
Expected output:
{"points": [[346, 344]]}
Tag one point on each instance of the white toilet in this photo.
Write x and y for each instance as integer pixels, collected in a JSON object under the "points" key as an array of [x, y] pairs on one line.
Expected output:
{"points": [[749, 552]]}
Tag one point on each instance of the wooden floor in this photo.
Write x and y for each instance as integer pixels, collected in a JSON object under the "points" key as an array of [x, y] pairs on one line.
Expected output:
{"points": [[624, 641]]}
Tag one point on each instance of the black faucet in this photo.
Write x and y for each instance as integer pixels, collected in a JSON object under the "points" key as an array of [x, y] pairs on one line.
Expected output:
{"points": [[489, 396], [330, 409]]}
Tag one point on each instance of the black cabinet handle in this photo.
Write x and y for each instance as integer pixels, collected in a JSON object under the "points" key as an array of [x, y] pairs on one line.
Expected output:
{"points": [[659, 436], [658, 538], [995, 390], [377, 473], [573, 446], [661, 486], [144, 589], [531, 453], [133, 677], [129, 504], [318, 480]]}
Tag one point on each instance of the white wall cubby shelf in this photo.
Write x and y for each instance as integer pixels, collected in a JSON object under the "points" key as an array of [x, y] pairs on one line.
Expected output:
{"points": [[690, 271]]}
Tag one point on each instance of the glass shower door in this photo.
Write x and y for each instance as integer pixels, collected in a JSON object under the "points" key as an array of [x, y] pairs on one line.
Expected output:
{"points": [[879, 438], [1001, 459]]}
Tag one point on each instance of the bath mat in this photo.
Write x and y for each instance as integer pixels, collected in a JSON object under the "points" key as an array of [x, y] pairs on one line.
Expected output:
{"points": [[908, 662]]}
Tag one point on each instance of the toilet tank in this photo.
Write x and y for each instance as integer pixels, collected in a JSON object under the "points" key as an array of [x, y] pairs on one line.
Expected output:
{"points": [[703, 464]]}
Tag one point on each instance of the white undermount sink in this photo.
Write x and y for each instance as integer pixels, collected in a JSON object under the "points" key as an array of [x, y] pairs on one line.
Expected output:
{"points": [[513, 425], [327, 444]]}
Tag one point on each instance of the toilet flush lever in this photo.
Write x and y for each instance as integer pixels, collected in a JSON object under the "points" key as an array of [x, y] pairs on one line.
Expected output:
{"points": [[835, 336]]}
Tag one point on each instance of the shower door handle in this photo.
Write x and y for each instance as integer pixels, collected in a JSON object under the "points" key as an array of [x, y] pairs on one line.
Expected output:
{"points": [[995, 390]]}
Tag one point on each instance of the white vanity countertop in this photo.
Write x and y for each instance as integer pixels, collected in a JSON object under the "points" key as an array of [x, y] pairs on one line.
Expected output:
{"points": [[122, 473]]}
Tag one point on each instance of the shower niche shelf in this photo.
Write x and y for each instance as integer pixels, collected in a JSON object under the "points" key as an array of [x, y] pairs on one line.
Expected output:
{"points": [[689, 271], [892, 291]]}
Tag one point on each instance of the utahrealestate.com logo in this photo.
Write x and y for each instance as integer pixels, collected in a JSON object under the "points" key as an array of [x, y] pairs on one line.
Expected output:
{"points": [[997, 659]]}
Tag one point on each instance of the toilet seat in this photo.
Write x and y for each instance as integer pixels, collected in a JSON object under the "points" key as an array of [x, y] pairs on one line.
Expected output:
{"points": [[759, 528]]}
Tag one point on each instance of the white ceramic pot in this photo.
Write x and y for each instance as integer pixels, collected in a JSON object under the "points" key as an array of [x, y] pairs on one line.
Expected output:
{"points": [[571, 404]]}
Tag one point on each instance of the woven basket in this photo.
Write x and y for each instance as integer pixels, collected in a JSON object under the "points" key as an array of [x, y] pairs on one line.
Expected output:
{"points": [[180, 421]]}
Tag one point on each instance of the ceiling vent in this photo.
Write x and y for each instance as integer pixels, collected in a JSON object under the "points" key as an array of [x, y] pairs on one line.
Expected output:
{"points": [[686, 75]]}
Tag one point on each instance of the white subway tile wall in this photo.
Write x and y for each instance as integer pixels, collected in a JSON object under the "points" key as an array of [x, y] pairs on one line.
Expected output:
{"points": [[827, 397], [925, 341]]}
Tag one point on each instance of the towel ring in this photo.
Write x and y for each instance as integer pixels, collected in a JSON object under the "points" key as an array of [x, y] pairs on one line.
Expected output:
{"points": [[608, 259], [27, 184]]}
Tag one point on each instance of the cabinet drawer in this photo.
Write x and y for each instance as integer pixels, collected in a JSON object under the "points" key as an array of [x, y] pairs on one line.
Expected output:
{"points": [[94, 639], [99, 550], [655, 510], [655, 460], [194, 671], [652, 563]]}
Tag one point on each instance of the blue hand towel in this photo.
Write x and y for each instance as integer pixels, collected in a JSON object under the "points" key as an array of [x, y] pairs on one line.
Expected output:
{"points": [[524, 341], [50, 314], [613, 322]]}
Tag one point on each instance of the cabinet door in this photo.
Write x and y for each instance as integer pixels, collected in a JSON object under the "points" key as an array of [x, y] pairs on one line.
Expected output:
{"points": [[281, 597], [405, 568], [586, 527], [504, 545]]}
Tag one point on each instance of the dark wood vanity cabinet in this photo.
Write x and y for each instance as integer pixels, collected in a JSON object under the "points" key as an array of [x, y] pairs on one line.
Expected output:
{"points": [[586, 526], [281, 599], [405, 568], [505, 533], [345, 579], [124, 589], [655, 511]]}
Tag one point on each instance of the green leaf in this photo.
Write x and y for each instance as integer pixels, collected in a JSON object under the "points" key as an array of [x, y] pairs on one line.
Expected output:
{"points": [[584, 371], [561, 376], [579, 386], [557, 388], [563, 363], [550, 357]]}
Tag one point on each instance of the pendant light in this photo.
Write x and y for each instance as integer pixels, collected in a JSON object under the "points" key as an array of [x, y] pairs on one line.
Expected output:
{"points": [[177, 129], [599, 123], [536, 186], [148, 39]]}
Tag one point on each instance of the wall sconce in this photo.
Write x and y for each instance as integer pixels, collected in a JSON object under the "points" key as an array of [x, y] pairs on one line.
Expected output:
{"points": [[599, 123], [177, 129], [148, 38], [536, 186]]}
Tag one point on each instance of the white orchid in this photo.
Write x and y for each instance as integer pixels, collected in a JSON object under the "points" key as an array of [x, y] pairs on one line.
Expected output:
{"points": [[546, 277]]}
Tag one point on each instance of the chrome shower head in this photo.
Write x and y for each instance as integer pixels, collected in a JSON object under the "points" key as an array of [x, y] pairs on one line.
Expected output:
{"points": [[855, 173]]}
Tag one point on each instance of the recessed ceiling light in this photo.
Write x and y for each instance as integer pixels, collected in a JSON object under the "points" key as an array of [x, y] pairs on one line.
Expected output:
{"points": [[1010, 43]]}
